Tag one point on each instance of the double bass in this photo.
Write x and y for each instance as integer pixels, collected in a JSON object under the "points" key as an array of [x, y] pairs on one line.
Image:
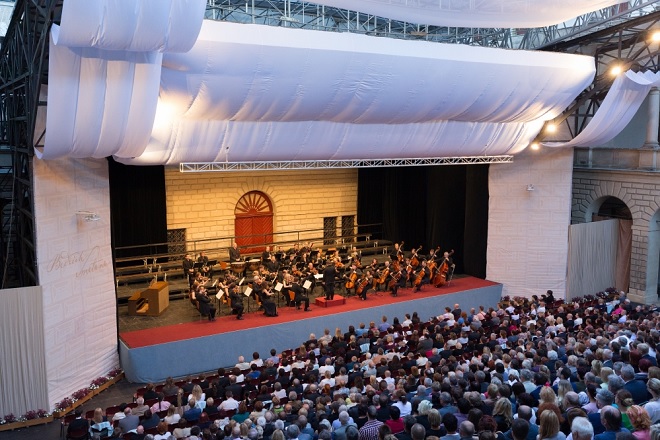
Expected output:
{"points": [[440, 278], [420, 276], [414, 261], [395, 279]]}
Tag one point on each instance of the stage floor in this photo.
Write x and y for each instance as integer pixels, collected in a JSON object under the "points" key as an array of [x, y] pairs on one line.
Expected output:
{"points": [[149, 355]]}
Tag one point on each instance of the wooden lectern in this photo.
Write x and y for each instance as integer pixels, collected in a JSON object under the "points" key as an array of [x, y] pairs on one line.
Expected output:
{"points": [[151, 301]]}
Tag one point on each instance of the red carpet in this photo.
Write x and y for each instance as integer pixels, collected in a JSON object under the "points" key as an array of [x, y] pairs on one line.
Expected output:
{"points": [[224, 324]]}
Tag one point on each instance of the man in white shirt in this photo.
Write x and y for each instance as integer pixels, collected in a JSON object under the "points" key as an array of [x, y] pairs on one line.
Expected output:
{"points": [[229, 403], [242, 365]]}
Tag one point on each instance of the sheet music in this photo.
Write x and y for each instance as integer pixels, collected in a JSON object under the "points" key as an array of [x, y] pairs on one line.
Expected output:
{"points": [[248, 291], [220, 294], [307, 284], [318, 276], [279, 286]]}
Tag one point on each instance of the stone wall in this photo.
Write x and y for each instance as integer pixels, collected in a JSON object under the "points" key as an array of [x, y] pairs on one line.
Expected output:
{"points": [[640, 191], [204, 203]]}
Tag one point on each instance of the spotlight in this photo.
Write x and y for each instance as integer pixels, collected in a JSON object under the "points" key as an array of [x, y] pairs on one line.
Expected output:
{"points": [[534, 146], [655, 36], [551, 128], [616, 70]]}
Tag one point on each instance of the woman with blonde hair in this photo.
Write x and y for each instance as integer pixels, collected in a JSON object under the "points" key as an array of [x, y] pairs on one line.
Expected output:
{"points": [[563, 387], [199, 395], [549, 427], [547, 395], [640, 421], [604, 374], [503, 414], [100, 425], [652, 407], [277, 435], [172, 417]]}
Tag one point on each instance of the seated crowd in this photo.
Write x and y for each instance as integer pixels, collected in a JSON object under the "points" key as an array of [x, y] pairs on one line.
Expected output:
{"points": [[527, 369]]}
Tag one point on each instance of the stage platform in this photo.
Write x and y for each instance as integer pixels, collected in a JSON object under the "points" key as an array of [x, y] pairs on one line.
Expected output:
{"points": [[153, 354]]}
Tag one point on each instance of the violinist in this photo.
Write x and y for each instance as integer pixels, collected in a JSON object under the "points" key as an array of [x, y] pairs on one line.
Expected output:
{"points": [[299, 295], [262, 291], [329, 275], [373, 267], [422, 276], [287, 283]]}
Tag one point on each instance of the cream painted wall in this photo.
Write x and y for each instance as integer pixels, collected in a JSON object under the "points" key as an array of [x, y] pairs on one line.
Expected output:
{"points": [[528, 230], [75, 272], [204, 203]]}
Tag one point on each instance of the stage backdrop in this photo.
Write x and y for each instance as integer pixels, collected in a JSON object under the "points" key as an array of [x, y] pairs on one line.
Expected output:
{"points": [[442, 206]]}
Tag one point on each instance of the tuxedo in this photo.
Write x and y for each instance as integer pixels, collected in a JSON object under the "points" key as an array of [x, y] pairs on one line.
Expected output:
{"points": [[205, 306], [299, 296], [236, 301], [329, 274]]}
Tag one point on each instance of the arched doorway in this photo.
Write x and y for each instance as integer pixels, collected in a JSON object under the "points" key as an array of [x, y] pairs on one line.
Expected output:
{"points": [[253, 223], [612, 208]]}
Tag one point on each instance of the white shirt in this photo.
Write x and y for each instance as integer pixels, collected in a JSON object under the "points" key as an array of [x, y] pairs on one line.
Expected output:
{"points": [[229, 404]]}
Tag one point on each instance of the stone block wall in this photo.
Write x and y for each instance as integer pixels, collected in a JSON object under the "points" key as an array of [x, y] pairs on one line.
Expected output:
{"points": [[204, 203], [640, 191]]}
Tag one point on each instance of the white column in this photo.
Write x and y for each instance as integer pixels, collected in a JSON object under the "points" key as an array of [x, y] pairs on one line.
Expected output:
{"points": [[653, 122]]}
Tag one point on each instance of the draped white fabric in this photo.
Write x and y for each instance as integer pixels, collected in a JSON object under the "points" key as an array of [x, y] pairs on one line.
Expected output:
{"points": [[104, 72], [143, 25], [100, 102], [250, 92], [619, 106], [592, 257], [471, 13]]}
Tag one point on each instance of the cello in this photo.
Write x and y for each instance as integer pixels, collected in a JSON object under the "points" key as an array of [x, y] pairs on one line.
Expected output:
{"points": [[351, 280], [364, 283], [420, 277], [440, 278]]}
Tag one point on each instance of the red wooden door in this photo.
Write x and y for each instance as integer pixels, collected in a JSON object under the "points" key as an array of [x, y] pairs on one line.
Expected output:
{"points": [[253, 224]]}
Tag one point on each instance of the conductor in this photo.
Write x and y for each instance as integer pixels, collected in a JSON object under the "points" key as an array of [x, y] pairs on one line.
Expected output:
{"points": [[329, 274]]}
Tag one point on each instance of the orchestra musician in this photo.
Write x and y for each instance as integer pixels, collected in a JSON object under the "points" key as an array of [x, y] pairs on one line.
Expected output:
{"points": [[329, 275], [397, 252], [364, 284], [203, 264], [273, 267], [287, 284], [422, 276], [265, 255], [262, 291], [397, 280], [299, 295], [236, 301], [352, 277], [384, 277], [205, 306], [189, 269], [373, 267], [234, 253]]}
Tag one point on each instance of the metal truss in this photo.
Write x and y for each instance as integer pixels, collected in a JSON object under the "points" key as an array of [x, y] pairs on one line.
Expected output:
{"points": [[307, 15], [627, 44], [23, 68], [206, 167]]}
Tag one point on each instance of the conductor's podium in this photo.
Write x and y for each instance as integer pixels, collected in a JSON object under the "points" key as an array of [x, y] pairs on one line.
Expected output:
{"points": [[151, 301], [337, 301]]}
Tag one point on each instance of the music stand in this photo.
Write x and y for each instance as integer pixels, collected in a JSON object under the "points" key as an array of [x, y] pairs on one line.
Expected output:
{"points": [[278, 289], [248, 293], [451, 274], [212, 263], [219, 296]]}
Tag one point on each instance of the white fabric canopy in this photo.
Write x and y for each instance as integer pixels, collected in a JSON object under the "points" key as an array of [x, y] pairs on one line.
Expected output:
{"points": [[142, 25], [618, 108], [475, 13], [250, 92]]}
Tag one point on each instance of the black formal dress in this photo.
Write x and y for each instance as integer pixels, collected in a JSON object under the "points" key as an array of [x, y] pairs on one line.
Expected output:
{"points": [[270, 308]]}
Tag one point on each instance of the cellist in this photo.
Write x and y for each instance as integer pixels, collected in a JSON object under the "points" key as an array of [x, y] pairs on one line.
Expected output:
{"points": [[422, 276], [352, 277]]}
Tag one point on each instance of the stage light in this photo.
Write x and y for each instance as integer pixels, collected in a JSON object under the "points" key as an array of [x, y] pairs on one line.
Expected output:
{"points": [[655, 36], [616, 70], [550, 128], [535, 146]]}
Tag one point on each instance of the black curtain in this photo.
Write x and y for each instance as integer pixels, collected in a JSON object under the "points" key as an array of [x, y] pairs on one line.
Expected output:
{"points": [[443, 206], [138, 208]]}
